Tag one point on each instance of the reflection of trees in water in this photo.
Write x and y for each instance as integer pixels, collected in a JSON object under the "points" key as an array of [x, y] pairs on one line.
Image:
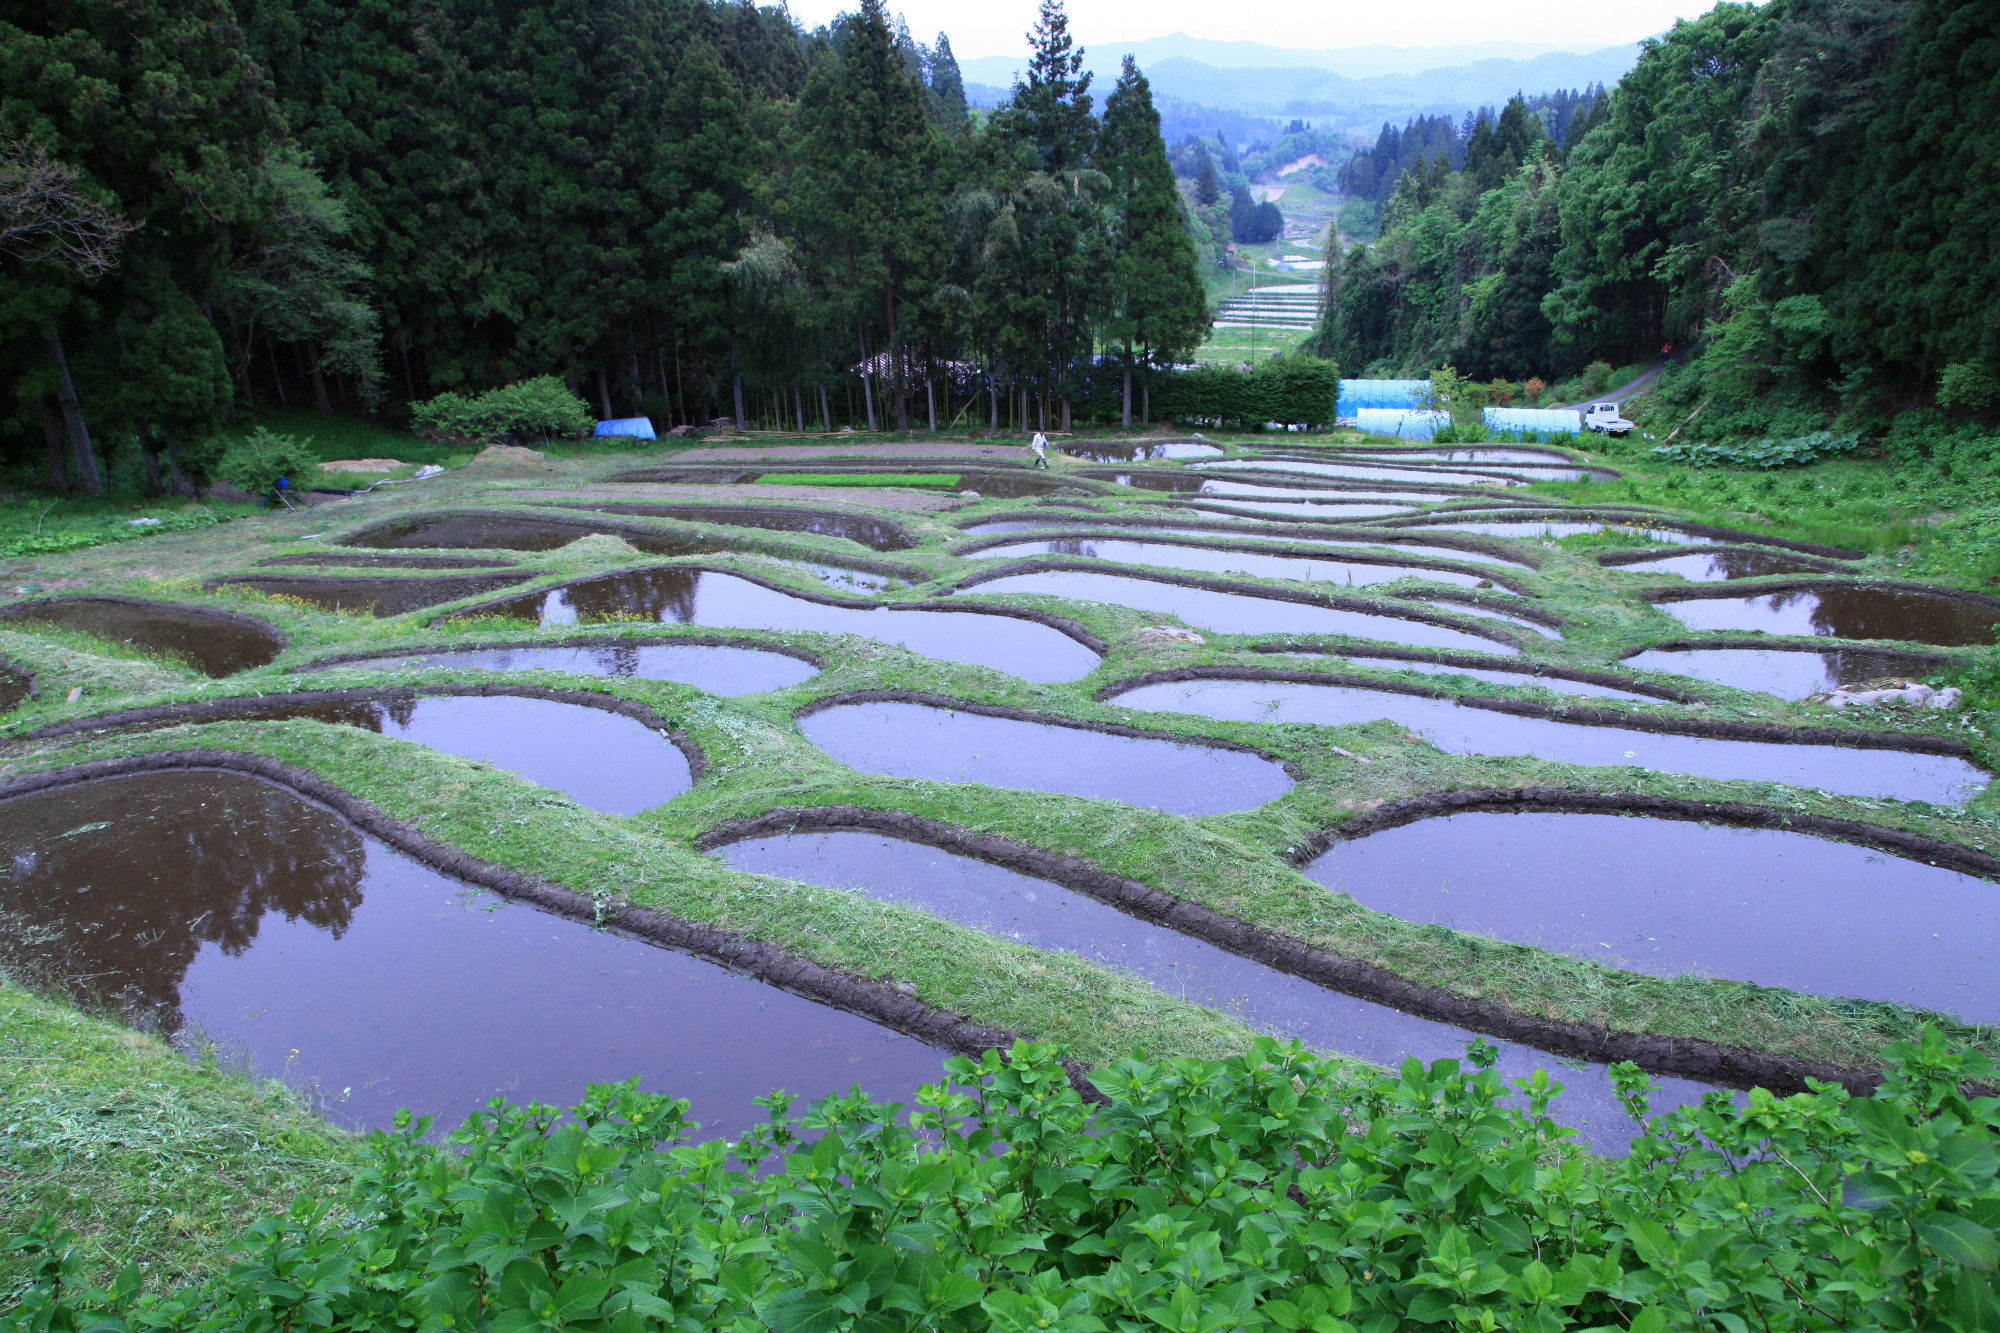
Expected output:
{"points": [[655, 594], [111, 888], [364, 713], [214, 645], [1872, 613], [1072, 546]]}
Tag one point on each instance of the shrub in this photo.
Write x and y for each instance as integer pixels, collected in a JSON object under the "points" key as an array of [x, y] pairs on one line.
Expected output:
{"points": [[1294, 390], [1596, 377], [1968, 386], [257, 462], [1258, 1193], [542, 407]]}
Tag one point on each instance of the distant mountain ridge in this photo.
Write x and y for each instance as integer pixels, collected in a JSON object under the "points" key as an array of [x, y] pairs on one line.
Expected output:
{"points": [[1354, 62], [1302, 83]]}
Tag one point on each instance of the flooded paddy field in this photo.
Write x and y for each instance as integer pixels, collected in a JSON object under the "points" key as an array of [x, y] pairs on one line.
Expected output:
{"points": [[1534, 648], [679, 595], [1462, 729], [215, 643], [216, 908]]}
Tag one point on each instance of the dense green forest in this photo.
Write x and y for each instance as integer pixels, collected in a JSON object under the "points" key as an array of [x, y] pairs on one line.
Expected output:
{"points": [[1804, 191], [671, 204]]}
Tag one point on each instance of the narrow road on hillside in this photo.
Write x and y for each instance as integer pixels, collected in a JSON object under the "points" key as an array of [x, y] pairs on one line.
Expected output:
{"points": [[1624, 393]]}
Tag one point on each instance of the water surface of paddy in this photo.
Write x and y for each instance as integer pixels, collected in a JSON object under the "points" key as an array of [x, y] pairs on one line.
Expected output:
{"points": [[379, 597], [1667, 898], [908, 740], [1217, 561], [1233, 613], [212, 905], [1046, 915], [1845, 611], [875, 533], [704, 597], [1787, 673], [1942, 779], [213, 644], [717, 668], [1361, 471], [1716, 566], [1111, 451]]}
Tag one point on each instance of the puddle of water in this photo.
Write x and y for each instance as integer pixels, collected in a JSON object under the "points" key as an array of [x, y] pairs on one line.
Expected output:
{"points": [[381, 597], [1548, 529], [1225, 562], [698, 597], [509, 532], [906, 740], [1105, 451], [840, 576], [1845, 611], [1785, 673], [1180, 483], [1668, 898], [1360, 471], [1309, 508], [1234, 613], [1045, 915], [1458, 729], [874, 533], [1716, 566], [214, 903], [1527, 678], [212, 644], [713, 667], [601, 759]]}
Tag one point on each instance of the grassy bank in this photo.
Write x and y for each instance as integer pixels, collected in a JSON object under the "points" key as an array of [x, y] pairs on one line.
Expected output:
{"points": [[153, 1159]]}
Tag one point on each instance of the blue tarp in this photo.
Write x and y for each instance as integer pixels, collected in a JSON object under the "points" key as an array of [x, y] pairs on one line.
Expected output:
{"points": [[1358, 394], [1400, 422], [1534, 418], [639, 428]]}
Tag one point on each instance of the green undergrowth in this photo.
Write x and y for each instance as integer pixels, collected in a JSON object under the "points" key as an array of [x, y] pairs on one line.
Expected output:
{"points": [[1264, 1192], [150, 1158], [35, 526]]}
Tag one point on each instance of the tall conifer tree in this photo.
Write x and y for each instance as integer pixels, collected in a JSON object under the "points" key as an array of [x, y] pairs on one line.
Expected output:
{"points": [[1159, 309]]}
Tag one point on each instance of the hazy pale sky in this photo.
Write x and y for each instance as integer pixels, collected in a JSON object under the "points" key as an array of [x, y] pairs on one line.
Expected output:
{"points": [[996, 27]]}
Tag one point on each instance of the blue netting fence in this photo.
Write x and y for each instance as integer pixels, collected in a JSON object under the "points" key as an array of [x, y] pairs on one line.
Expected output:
{"points": [[1543, 419], [1399, 422], [1359, 395]]}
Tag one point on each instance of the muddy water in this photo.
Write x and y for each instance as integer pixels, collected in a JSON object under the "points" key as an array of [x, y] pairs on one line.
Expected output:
{"points": [[697, 597], [1669, 898], [1308, 508], [874, 533], [1045, 915], [1462, 730], [510, 532], [1716, 566], [601, 759], [381, 597], [1362, 472], [1846, 611], [1109, 451], [716, 668], [350, 561], [212, 644], [216, 904], [1180, 483], [1233, 613], [1787, 674], [1217, 561], [907, 740]]}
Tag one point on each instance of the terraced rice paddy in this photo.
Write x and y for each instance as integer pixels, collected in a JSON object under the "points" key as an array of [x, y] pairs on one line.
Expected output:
{"points": [[651, 768]]}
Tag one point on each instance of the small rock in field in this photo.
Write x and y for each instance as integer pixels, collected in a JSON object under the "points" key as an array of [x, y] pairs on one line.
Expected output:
{"points": [[1168, 634]]}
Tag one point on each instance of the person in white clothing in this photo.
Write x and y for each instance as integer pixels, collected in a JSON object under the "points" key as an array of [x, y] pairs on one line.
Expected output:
{"points": [[1040, 445]]}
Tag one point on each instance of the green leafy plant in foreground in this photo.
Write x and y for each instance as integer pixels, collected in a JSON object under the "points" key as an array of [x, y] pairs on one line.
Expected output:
{"points": [[1262, 1192], [258, 463]]}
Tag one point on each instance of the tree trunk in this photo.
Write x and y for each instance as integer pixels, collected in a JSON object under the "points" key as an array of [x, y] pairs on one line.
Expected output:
{"points": [[1146, 401], [409, 376], [825, 412], [1126, 411], [736, 380], [155, 484], [867, 389], [799, 405], [52, 431], [319, 379], [83, 463], [680, 385], [930, 402], [183, 484], [1065, 414], [603, 395], [278, 376]]}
